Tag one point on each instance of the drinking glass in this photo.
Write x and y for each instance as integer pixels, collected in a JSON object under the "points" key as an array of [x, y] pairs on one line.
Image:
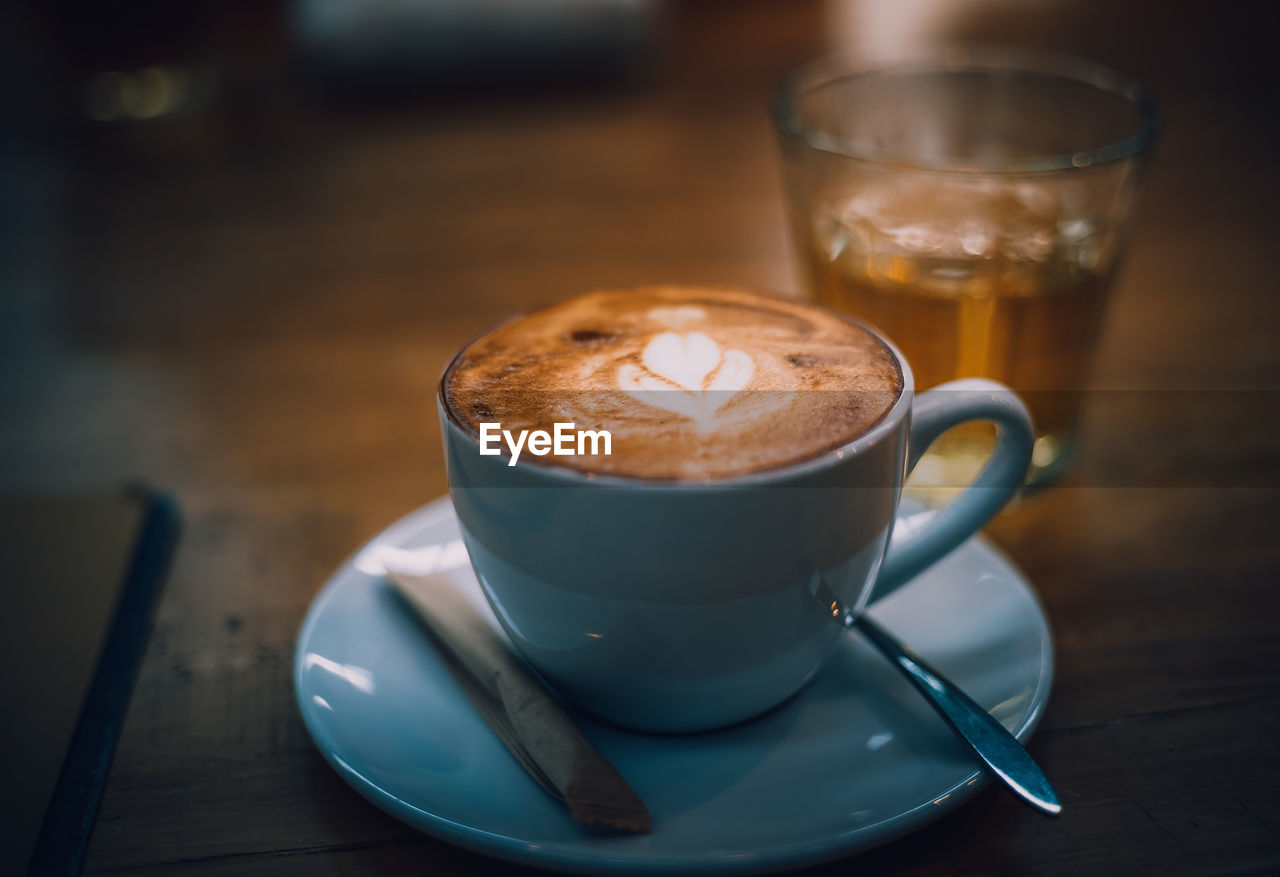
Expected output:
{"points": [[971, 203]]}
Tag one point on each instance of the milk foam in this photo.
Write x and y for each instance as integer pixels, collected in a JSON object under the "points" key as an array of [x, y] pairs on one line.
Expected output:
{"points": [[692, 382], [688, 375]]}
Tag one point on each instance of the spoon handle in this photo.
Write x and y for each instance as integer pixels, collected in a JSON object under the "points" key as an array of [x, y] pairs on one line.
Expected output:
{"points": [[997, 748]]}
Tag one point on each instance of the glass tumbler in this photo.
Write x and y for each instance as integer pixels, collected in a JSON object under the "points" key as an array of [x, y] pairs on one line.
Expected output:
{"points": [[971, 203]]}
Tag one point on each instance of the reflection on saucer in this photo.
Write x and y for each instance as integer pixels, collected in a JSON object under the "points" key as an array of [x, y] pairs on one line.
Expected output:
{"points": [[377, 558]]}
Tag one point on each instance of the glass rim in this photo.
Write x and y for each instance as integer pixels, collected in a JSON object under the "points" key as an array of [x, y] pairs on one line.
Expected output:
{"points": [[959, 57]]}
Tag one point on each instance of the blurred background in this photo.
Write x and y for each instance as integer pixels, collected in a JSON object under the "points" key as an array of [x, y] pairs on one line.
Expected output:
{"points": [[227, 225], [240, 240]]}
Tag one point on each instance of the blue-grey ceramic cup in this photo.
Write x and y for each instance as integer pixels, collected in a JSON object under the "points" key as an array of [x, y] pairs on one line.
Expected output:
{"points": [[685, 606]]}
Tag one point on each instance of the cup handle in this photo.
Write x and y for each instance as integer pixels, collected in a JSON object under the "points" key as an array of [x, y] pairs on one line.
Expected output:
{"points": [[942, 530]]}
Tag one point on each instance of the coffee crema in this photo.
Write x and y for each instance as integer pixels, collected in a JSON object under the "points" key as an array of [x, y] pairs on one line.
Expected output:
{"points": [[693, 383]]}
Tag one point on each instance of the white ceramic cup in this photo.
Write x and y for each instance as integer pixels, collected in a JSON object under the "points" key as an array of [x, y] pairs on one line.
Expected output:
{"points": [[684, 606]]}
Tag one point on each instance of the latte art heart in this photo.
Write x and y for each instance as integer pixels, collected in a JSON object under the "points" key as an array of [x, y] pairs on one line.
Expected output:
{"points": [[685, 360], [687, 375]]}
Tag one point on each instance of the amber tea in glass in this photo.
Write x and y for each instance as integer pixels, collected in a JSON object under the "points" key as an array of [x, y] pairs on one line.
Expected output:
{"points": [[972, 204]]}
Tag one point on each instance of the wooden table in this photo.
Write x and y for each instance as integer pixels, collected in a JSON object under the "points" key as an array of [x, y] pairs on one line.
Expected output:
{"points": [[253, 309]]}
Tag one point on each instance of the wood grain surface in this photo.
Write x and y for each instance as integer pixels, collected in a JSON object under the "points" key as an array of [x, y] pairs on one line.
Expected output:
{"points": [[252, 308]]}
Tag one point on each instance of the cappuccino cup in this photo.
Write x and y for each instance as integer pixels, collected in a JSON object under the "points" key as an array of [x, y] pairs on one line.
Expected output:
{"points": [[675, 497]]}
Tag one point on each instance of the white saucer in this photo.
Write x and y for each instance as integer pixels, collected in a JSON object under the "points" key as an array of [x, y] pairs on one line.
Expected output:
{"points": [[855, 759]]}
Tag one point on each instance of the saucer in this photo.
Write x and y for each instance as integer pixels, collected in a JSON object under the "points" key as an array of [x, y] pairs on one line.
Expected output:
{"points": [[855, 759]]}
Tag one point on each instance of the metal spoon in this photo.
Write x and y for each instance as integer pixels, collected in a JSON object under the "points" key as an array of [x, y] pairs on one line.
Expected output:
{"points": [[997, 748]]}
